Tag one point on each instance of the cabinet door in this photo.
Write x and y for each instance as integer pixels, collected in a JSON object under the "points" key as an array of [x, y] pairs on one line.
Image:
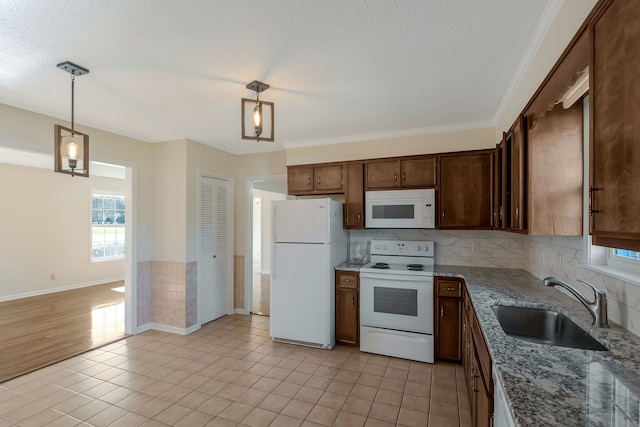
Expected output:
{"points": [[328, 179], [554, 156], [347, 308], [448, 329], [299, 180], [517, 176], [418, 173], [354, 196], [615, 125], [382, 174], [465, 190], [482, 405], [497, 214]]}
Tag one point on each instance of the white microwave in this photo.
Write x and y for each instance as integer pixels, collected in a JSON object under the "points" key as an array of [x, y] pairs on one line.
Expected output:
{"points": [[400, 209]]}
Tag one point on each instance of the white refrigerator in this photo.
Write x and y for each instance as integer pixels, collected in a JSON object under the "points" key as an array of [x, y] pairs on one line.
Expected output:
{"points": [[308, 242]]}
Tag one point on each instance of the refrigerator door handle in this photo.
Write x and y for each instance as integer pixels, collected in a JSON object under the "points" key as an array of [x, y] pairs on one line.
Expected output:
{"points": [[273, 263]]}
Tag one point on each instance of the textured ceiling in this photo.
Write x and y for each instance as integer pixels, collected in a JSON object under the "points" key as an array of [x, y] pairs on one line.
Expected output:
{"points": [[357, 69]]}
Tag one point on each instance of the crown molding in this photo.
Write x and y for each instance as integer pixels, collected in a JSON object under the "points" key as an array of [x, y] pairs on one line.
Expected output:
{"points": [[390, 134], [548, 16]]}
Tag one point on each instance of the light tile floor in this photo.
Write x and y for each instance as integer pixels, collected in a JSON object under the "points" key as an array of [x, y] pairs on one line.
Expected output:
{"points": [[230, 373]]}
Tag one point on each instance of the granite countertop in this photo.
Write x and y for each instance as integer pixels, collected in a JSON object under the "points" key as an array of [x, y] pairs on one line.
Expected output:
{"points": [[350, 266], [551, 385]]}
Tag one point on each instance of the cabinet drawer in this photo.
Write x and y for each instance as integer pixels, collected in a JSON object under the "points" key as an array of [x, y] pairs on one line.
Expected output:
{"points": [[347, 280], [449, 288]]}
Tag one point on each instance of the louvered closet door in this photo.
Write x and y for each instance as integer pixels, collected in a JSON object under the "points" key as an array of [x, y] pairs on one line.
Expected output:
{"points": [[214, 252]]}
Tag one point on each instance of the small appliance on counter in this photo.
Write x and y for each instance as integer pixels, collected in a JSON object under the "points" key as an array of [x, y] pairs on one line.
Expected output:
{"points": [[308, 243], [396, 300]]}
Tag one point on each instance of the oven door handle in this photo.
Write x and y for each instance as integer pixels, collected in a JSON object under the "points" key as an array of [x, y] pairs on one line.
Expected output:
{"points": [[394, 278]]}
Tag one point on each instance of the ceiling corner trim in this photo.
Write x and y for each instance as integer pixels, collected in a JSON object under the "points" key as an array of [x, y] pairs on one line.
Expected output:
{"points": [[546, 20], [390, 134]]}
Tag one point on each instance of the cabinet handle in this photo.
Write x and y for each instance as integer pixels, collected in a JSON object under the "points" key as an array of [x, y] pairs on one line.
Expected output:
{"points": [[443, 215], [591, 190], [450, 289], [403, 177], [359, 216], [308, 181], [352, 303], [318, 180], [441, 311], [395, 177], [518, 211]]}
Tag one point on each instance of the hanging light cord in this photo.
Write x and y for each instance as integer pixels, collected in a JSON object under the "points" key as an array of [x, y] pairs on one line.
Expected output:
{"points": [[73, 80]]}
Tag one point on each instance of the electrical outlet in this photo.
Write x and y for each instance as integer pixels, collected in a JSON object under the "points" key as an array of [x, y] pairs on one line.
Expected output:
{"points": [[53, 276]]}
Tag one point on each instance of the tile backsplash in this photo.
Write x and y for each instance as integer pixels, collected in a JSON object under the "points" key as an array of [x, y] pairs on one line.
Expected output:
{"points": [[542, 256]]}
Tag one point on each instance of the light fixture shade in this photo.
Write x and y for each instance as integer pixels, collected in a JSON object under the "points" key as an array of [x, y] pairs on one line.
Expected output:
{"points": [[265, 131], [68, 144]]}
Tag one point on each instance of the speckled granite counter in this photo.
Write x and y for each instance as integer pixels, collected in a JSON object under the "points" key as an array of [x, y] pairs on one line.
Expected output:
{"points": [[550, 385], [350, 266]]}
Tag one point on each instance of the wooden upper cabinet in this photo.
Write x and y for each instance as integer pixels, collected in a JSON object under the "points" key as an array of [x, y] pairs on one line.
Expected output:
{"points": [[555, 178], [382, 174], [418, 173], [465, 194], [300, 179], [615, 124], [354, 196], [513, 156], [410, 172], [315, 179], [328, 179]]}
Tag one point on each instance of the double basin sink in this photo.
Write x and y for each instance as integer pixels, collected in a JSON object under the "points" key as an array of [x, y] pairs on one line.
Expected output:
{"points": [[544, 326]]}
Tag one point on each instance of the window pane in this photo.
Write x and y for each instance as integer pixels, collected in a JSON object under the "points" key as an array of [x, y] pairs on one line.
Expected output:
{"points": [[627, 254], [108, 236]]}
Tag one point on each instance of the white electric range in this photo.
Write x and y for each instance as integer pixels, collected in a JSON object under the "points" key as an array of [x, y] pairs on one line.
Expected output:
{"points": [[396, 300]]}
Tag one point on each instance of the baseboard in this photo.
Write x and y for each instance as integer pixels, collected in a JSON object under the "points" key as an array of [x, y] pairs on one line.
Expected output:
{"points": [[166, 328], [60, 289], [241, 311]]}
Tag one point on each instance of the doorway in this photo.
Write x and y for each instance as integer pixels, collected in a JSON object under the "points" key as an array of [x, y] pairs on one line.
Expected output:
{"points": [[262, 191]]}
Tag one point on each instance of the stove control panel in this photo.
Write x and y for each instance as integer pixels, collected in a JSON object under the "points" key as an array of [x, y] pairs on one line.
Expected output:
{"points": [[402, 247]]}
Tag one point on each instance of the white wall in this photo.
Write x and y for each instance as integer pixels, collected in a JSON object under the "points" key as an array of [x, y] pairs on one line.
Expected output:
{"points": [[45, 224]]}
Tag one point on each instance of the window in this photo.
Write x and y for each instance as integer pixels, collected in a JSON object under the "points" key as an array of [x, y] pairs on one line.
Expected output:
{"points": [[622, 258], [107, 226]]}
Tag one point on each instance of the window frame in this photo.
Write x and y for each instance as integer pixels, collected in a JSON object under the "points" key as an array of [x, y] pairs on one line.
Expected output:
{"points": [[106, 193], [622, 262]]}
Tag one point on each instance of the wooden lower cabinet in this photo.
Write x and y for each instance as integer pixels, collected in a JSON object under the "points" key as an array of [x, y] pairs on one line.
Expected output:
{"points": [[477, 364], [448, 313], [348, 307]]}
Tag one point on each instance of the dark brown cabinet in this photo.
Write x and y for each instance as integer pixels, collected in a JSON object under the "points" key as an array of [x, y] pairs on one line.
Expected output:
{"points": [[615, 125], [513, 189], [411, 172], [465, 190], [477, 365], [347, 307], [315, 179], [354, 196], [448, 313]]}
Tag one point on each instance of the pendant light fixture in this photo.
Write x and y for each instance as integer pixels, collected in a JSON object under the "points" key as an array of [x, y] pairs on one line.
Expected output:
{"points": [[71, 148], [257, 115]]}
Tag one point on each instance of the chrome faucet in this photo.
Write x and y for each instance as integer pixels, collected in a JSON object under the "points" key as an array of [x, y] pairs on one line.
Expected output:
{"points": [[597, 308]]}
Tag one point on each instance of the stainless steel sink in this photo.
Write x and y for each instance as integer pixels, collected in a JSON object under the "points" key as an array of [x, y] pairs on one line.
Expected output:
{"points": [[544, 327]]}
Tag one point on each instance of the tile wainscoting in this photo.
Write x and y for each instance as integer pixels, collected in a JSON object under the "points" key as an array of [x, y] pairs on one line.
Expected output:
{"points": [[167, 293]]}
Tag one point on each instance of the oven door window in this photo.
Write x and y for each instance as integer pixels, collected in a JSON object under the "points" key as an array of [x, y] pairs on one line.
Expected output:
{"points": [[395, 301], [406, 211]]}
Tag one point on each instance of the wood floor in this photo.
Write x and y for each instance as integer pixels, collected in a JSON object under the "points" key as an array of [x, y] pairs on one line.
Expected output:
{"points": [[41, 330]]}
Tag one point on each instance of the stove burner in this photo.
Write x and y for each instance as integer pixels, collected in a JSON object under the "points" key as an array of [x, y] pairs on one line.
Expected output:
{"points": [[381, 265], [415, 266]]}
